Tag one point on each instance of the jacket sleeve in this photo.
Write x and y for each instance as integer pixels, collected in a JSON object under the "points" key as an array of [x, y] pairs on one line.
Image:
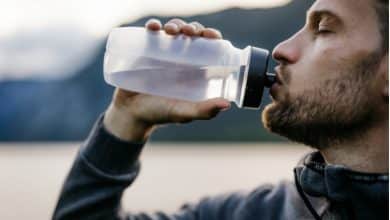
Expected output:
{"points": [[102, 170]]}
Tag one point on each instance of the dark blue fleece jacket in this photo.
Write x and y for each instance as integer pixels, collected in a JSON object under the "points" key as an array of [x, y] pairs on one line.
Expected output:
{"points": [[105, 166]]}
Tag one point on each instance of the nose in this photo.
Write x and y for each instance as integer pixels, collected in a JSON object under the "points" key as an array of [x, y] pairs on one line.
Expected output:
{"points": [[288, 51]]}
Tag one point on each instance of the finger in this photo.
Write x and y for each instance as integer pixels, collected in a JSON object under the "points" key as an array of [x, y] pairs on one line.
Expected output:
{"points": [[210, 108], [198, 27], [153, 24], [188, 29], [212, 33], [192, 29], [187, 111], [174, 26]]}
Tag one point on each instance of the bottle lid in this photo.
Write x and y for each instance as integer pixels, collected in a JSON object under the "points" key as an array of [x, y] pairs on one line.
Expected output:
{"points": [[257, 77]]}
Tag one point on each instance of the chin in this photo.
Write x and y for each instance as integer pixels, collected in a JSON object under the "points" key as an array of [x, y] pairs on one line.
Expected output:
{"points": [[267, 114]]}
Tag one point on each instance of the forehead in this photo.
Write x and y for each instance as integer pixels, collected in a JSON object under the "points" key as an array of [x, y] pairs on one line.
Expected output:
{"points": [[346, 10]]}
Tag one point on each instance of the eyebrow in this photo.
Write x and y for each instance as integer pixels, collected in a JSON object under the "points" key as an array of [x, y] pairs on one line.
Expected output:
{"points": [[316, 15]]}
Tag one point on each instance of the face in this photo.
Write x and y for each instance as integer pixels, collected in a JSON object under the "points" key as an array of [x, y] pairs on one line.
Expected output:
{"points": [[329, 82]]}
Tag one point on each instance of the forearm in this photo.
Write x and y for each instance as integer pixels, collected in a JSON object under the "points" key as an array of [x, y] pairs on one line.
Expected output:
{"points": [[103, 168]]}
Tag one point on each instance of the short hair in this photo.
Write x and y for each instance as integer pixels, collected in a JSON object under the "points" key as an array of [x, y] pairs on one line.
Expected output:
{"points": [[382, 11]]}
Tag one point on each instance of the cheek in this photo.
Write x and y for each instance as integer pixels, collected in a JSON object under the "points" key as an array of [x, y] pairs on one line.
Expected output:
{"points": [[317, 66]]}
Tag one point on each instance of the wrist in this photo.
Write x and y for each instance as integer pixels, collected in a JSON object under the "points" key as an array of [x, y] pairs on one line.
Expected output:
{"points": [[124, 126]]}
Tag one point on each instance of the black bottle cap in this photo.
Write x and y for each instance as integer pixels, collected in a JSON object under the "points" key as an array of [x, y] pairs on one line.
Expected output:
{"points": [[257, 77]]}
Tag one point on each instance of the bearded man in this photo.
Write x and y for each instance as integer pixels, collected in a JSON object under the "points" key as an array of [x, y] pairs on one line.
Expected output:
{"points": [[331, 94]]}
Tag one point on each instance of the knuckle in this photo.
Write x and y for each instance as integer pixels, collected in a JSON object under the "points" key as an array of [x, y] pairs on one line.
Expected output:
{"points": [[171, 28], [198, 27], [177, 21], [170, 25], [197, 24]]}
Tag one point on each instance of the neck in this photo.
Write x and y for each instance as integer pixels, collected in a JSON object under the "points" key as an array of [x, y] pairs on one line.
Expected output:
{"points": [[367, 153]]}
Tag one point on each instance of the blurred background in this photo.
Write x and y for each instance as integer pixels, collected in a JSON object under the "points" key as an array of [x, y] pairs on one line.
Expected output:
{"points": [[52, 90], [51, 53]]}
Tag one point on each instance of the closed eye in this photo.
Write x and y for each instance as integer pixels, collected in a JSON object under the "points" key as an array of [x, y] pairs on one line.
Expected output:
{"points": [[320, 31], [323, 23]]}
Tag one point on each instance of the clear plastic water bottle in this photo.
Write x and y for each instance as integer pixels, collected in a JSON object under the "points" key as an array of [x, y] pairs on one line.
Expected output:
{"points": [[184, 67]]}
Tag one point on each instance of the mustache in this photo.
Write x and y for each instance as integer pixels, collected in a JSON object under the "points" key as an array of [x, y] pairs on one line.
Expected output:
{"points": [[283, 74]]}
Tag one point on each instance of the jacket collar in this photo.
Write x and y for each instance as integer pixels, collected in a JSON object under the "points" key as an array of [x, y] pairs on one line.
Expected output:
{"points": [[365, 195]]}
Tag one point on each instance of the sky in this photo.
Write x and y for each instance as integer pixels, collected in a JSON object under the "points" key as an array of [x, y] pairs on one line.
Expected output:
{"points": [[54, 38]]}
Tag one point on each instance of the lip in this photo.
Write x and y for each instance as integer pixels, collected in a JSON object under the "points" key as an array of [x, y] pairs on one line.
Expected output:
{"points": [[278, 83], [274, 89], [277, 75]]}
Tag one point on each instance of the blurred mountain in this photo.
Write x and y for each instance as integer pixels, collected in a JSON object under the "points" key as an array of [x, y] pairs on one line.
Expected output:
{"points": [[66, 109], [45, 52]]}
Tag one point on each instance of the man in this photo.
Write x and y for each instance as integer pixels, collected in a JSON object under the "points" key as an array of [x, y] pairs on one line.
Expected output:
{"points": [[332, 95]]}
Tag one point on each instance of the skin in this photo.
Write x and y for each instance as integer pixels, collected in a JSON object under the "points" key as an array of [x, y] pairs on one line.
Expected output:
{"points": [[314, 55], [133, 116], [326, 49]]}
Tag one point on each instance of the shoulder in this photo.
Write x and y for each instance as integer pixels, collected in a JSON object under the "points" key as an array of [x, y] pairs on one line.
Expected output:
{"points": [[264, 202], [280, 201], [269, 201]]}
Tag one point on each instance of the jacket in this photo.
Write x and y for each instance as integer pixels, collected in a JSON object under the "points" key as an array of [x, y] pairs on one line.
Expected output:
{"points": [[105, 166]]}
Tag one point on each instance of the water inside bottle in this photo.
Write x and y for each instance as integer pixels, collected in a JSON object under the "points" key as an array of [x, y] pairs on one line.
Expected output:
{"points": [[178, 80]]}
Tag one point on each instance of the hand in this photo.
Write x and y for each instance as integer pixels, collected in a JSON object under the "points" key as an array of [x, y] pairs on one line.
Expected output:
{"points": [[132, 116]]}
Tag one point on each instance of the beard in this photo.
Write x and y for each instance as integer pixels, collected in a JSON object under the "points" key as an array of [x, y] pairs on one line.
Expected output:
{"points": [[339, 109]]}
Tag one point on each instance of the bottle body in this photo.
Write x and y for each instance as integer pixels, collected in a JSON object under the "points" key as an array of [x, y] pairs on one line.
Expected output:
{"points": [[182, 67], [180, 81]]}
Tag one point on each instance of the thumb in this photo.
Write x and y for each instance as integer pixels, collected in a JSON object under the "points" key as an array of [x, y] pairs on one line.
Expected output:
{"points": [[208, 107], [203, 110]]}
